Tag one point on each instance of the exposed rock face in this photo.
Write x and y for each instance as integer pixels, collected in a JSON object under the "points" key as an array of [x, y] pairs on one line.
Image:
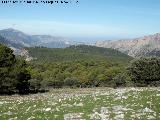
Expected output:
{"points": [[24, 53], [145, 46]]}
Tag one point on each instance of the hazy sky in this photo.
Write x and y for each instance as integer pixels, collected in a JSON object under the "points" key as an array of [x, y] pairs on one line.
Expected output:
{"points": [[89, 19]]}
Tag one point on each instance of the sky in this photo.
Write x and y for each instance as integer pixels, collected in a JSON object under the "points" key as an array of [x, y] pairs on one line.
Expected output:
{"points": [[86, 20]]}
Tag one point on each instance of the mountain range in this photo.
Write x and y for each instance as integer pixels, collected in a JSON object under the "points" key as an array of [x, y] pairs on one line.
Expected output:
{"points": [[17, 40], [139, 47]]}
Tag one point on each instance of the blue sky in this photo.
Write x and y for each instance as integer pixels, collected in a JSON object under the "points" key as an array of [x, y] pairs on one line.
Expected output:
{"points": [[87, 20]]}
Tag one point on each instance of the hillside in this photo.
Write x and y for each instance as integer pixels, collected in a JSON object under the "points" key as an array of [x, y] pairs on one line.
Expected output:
{"points": [[80, 52], [14, 46], [80, 65], [144, 46], [18, 37]]}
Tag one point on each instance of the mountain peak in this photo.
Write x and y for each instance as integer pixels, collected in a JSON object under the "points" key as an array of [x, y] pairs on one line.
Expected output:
{"points": [[11, 30]]}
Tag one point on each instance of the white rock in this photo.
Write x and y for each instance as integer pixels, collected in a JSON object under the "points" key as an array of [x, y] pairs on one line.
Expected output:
{"points": [[73, 116], [147, 110], [31, 118], [48, 109], [9, 113], [79, 104]]}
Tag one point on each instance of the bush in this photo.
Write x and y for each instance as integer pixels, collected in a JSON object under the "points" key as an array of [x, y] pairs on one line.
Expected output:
{"points": [[51, 83], [35, 84], [71, 82], [122, 80], [144, 71]]}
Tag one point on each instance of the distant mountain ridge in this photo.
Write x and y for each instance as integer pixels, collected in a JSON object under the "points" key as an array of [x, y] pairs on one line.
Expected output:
{"points": [[144, 46], [51, 41], [14, 46], [17, 37], [18, 40]]}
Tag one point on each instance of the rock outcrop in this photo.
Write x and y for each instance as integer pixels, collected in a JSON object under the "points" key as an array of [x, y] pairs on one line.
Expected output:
{"points": [[144, 46]]}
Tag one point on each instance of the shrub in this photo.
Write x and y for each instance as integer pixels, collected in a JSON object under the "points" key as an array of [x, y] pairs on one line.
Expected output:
{"points": [[144, 71], [51, 82], [71, 82]]}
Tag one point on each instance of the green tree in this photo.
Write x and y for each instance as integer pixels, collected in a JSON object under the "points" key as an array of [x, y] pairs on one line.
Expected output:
{"points": [[144, 71], [13, 74], [22, 76], [7, 60]]}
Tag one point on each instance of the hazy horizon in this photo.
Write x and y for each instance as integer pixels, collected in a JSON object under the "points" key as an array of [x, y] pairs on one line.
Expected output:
{"points": [[80, 39]]}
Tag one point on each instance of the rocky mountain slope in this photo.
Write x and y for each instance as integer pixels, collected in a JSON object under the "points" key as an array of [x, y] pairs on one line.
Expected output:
{"points": [[13, 45], [17, 37], [144, 46], [22, 40]]}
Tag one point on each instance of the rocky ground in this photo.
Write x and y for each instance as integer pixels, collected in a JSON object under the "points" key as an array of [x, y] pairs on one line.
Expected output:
{"points": [[84, 104]]}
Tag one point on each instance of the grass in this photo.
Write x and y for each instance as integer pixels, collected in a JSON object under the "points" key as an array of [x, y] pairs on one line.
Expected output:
{"points": [[86, 104]]}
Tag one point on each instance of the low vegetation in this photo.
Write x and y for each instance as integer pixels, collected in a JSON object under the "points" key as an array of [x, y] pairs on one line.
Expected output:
{"points": [[86, 104]]}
